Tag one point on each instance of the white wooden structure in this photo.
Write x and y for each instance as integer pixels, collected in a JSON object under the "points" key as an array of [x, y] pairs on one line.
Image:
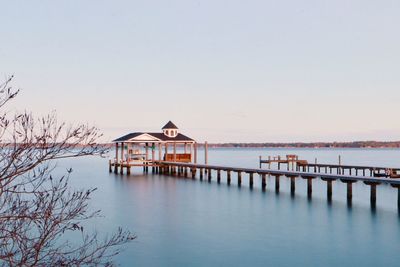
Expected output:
{"points": [[144, 148]]}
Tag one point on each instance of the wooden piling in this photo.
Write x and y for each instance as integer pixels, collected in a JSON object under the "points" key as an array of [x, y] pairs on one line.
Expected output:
{"points": [[309, 184], [209, 174], [219, 176], [328, 188], [239, 178], [263, 181], [251, 180], [201, 174], [373, 191], [109, 166], [349, 188], [277, 183], [292, 185], [309, 187], [398, 194], [228, 177]]}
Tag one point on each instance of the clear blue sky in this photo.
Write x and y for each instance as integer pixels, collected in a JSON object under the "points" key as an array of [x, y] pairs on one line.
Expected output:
{"points": [[256, 71]]}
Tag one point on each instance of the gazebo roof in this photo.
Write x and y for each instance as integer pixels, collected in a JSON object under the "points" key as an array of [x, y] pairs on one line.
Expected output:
{"points": [[169, 125], [152, 137]]}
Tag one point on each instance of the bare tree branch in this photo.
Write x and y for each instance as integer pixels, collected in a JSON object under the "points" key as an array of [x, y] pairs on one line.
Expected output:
{"points": [[38, 210]]}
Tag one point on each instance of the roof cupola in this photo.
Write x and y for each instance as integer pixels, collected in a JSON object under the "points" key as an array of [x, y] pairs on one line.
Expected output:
{"points": [[170, 129]]}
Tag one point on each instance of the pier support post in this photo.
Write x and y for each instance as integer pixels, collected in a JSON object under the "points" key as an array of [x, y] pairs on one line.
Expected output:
{"points": [[349, 191], [115, 167], [349, 188], [277, 182], [251, 180], [228, 177], [373, 192], [128, 170], [219, 176], [121, 170], [328, 188], [292, 185], [309, 184], [263, 181], [209, 174], [398, 194], [193, 173], [109, 166], [239, 173], [201, 174], [309, 187]]}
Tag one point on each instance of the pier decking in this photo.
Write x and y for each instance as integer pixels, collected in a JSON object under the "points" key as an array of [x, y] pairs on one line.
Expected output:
{"points": [[191, 170], [303, 165]]}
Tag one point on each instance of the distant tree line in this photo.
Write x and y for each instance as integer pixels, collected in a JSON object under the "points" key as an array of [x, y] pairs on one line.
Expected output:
{"points": [[355, 144]]}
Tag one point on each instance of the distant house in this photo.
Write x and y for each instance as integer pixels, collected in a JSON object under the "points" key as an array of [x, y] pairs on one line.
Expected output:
{"points": [[146, 147]]}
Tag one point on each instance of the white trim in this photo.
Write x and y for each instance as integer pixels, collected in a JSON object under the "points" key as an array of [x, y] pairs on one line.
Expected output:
{"points": [[145, 137]]}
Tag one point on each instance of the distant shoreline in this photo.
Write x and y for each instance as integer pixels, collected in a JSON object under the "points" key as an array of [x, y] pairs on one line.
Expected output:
{"points": [[355, 144]]}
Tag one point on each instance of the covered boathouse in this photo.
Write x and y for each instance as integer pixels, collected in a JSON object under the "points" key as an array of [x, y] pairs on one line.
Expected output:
{"points": [[144, 149]]}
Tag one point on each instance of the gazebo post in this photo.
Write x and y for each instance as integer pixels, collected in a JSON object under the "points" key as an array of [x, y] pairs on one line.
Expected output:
{"points": [[122, 159], [116, 158], [147, 156], [205, 152], [191, 152], [153, 151], [174, 152], [195, 153], [128, 158]]}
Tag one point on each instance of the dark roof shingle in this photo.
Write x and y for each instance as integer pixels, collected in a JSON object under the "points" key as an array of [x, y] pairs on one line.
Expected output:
{"points": [[161, 136]]}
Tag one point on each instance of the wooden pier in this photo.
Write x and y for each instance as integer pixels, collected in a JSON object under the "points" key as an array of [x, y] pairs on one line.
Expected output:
{"points": [[136, 148], [205, 171], [349, 169], [303, 165]]}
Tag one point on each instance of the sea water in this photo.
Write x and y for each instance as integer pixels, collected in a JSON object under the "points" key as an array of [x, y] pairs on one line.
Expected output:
{"points": [[185, 222]]}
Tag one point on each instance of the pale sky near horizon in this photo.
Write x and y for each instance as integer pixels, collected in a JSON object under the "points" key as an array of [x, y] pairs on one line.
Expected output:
{"points": [[223, 71]]}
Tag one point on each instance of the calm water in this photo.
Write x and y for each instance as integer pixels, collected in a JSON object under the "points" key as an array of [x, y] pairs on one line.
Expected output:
{"points": [[184, 222]]}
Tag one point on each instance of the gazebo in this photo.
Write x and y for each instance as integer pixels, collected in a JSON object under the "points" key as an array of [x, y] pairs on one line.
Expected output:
{"points": [[144, 148]]}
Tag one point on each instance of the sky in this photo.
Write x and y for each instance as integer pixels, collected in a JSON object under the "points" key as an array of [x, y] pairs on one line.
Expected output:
{"points": [[222, 71]]}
